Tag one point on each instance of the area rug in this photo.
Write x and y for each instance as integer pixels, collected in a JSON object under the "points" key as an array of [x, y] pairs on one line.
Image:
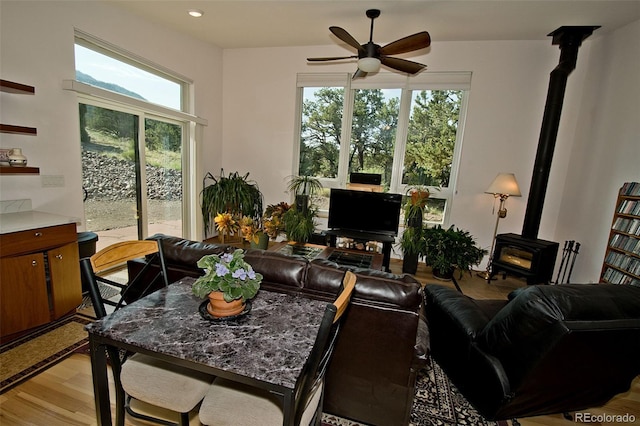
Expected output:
{"points": [[437, 403], [33, 353]]}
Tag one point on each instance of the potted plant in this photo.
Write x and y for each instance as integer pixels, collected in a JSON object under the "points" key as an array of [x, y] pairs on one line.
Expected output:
{"points": [[411, 240], [299, 221], [233, 194], [229, 281], [225, 225], [447, 249], [253, 232], [273, 219], [411, 245], [303, 187], [299, 225]]}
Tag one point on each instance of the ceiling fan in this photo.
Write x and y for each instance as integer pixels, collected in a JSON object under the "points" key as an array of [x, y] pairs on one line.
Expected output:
{"points": [[371, 56]]}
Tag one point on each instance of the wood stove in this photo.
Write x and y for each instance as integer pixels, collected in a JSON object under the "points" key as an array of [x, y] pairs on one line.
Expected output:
{"points": [[533, 259], [525, 255]]}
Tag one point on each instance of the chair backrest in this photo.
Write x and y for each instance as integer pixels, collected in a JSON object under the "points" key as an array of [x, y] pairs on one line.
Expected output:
{"points": [[316, 366], [114, 256]]}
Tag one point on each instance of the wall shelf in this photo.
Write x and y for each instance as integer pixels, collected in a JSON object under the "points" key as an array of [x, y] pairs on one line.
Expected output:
{"points": [[20, 130], [19, 89], [11, 87], [8, 170]]}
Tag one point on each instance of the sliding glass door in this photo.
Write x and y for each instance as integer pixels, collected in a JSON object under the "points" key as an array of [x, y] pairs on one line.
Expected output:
{"points": [[131, 189]]}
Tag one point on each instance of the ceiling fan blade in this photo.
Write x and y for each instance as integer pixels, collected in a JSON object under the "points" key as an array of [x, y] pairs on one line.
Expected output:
{"points": [[334, 58], [408, 44], [402, 65], [346, 37]]}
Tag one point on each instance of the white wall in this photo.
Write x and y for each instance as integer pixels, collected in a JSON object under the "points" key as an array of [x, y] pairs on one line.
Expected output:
{"points": [[506, 103], [509, 87], [606, 148], [36, 48], [251, 116]]}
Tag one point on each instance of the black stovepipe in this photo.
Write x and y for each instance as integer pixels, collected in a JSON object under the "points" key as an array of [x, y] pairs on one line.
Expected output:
{"points": [[569, 39]]}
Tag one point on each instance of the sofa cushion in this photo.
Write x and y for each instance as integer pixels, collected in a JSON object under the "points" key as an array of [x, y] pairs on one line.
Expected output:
{"points": [[181, 252], [536, 311], [379, 288], [278, 269], [455, 310]]}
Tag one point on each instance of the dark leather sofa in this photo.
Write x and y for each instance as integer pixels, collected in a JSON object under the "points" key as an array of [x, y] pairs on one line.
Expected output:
{"points": [[549, 349], [384, 339]]}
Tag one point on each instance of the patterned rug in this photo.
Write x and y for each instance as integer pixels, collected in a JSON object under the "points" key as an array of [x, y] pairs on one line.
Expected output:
{"points": [[33, 353], [437, 403]]}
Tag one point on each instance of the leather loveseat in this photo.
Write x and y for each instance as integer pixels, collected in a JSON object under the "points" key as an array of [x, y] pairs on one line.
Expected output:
{"points": [[548, 349], [381, 346]]}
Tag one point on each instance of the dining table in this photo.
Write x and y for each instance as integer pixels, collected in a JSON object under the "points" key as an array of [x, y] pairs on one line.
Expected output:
{"points": [[266, 346]]}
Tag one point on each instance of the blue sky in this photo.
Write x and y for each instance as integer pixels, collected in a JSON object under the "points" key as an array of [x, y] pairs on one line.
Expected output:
{"points": [[151, 87]]}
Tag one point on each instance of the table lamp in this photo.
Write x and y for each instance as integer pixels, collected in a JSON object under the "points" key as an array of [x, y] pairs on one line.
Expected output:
{"points": [[502, 187]]}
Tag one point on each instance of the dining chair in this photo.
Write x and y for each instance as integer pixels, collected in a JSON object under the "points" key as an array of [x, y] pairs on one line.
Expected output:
{"points": [[139, 376], [230, 403]]}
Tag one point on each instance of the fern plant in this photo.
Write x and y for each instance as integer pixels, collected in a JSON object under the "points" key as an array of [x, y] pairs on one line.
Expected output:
{"points": [[233, 194]]}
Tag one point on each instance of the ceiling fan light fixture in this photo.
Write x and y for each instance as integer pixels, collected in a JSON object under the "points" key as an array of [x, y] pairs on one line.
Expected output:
{"points": [[369, 64]]}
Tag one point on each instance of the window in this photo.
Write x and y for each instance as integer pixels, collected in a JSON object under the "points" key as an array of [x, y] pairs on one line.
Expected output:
{"points": [[136, 138], [408, 130], [100, 67]]}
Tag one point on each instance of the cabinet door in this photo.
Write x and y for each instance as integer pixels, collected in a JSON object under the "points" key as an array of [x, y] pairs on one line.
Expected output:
{"points": [[66, 288], [24, 302]]}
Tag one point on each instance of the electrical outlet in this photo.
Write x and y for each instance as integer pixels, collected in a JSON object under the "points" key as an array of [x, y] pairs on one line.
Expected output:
{"points": [[51, 181]]}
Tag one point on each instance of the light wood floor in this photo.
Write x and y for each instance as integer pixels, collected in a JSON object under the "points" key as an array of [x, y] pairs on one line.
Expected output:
{"points": [[63, 394]]}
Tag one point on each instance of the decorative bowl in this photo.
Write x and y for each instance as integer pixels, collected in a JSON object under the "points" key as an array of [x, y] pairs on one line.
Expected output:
{"points": [[15, 162]]}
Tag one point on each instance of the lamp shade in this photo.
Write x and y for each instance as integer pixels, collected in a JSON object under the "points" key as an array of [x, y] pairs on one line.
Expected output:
{"points": [[369, 64], [504, 184]]}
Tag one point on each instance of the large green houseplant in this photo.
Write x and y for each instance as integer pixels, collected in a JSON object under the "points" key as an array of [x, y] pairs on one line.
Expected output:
{"points": [[233, 194], [299, 221], [445, 250], [411, 240]]}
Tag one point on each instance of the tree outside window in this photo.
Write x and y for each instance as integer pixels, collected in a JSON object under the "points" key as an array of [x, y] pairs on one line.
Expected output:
{"points": [[427, 143]]}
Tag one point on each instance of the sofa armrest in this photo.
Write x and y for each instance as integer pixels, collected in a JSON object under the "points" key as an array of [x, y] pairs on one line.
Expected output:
{"points": [[460, 312]]}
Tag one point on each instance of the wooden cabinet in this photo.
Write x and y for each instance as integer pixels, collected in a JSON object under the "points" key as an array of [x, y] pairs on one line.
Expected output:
{"points": [[20, 89], [23, 293], [622, 259], [39, 277]]}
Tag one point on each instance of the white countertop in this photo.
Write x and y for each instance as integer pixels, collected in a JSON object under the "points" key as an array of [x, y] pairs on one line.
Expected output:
{"points": [[25, 220]]}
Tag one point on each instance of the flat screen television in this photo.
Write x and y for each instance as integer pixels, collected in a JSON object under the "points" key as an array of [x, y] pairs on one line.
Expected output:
{"points": [[363, 211]]}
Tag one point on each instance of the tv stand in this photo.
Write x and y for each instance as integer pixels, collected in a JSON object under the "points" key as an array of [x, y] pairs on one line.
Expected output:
{"points": [[386, 241]]}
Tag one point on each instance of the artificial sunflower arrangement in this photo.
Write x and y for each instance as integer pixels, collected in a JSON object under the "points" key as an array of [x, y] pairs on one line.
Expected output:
{"points": [[250, 229], [272, 219], [226, 225]]}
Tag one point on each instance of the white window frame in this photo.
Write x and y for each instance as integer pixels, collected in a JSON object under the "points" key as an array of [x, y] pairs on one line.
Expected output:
{"points": [[408, 84], [191, 124]]}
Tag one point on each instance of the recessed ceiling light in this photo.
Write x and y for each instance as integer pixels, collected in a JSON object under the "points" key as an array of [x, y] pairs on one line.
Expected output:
{"points": [[196, 13]]}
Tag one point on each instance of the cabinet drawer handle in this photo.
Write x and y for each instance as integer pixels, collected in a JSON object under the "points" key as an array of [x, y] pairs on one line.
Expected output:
{"points": [[38, 234], [59, 256], [34, 263]]}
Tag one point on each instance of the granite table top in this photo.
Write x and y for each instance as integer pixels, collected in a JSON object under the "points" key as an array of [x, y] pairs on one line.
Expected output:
{"points": [[269, 344]]}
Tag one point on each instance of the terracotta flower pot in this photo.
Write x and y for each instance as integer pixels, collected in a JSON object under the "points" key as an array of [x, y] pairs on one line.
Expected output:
{"points": [[218, 307]]}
